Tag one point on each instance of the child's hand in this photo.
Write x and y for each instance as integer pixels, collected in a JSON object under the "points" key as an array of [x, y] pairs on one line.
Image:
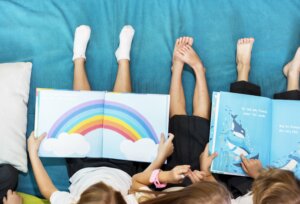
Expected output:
{"points": [[252, 167], [206, 159], [196, 176], [178, 173], [12, 198], [165, 147], [33, 143]]}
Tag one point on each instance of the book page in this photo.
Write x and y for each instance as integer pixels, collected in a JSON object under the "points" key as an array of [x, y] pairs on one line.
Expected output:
{"points": [[133, 124], [242, 126], [285, 149], [72, 121]]}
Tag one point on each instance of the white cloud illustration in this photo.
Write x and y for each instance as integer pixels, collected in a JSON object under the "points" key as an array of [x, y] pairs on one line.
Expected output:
{"points": [[66, 145], [141, 150]]}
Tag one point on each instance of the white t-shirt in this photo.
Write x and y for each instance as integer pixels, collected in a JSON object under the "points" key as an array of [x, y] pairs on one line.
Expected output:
{"points": [[84, 178], [245, 199]]}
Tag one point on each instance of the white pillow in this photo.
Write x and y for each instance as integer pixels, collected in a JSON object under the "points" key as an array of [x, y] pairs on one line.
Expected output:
{"points": [[14, 91]]}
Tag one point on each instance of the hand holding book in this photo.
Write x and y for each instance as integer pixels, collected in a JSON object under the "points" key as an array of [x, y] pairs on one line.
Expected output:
{"points": [[165, 147]]}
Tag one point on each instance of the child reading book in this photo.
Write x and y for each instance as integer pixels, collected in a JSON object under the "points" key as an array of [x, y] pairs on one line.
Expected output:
{"points": [[240, 185], [191, 132], [101, 179], [269, 186]]}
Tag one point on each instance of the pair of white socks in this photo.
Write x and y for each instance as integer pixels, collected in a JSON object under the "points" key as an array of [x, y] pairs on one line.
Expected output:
{"points": [[82, 36]]}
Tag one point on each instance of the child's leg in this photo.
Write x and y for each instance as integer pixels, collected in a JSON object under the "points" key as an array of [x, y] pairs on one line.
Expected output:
{"points": [[81, 39], [241, 185], [123, 82], [193, 142], [177, 102], [8, 179], [292, 72], [80, 80], [243, 59], [201, 101], [179, 122]]}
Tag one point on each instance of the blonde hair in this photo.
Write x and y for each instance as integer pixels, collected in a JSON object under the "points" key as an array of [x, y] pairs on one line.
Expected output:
{"points": [[100, 193], [199, 193], [276, 186]]}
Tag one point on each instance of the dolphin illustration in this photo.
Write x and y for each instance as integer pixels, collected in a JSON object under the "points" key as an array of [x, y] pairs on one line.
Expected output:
{"points": [[296, 158], [237, 128], [291, 164], [236, 149]]}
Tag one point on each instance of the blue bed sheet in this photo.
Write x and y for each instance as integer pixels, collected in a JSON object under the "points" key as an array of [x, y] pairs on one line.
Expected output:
{"points": [[42, 32]]}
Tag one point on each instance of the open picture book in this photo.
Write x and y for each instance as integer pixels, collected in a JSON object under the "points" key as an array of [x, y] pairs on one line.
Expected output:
{"points": [[256, 127], [99, 124]]}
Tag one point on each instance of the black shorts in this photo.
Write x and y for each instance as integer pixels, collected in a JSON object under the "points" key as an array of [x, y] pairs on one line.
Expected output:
{"points": [[8, 179], [191, 136], [288, 95]]}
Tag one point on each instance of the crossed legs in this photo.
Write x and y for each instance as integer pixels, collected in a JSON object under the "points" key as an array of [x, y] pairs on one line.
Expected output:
{"points": [[184, 53]]}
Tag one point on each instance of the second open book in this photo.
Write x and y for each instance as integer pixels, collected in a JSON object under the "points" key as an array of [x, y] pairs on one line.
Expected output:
{"points": [[257, 127], [101, 124]]}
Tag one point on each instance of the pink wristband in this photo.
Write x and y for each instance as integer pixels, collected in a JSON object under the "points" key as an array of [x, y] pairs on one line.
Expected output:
{"points": [[154, 179]]}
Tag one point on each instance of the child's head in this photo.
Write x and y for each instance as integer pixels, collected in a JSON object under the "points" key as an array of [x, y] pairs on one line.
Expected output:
{"points": [[276, 186], [198, 193], [100, 193]]}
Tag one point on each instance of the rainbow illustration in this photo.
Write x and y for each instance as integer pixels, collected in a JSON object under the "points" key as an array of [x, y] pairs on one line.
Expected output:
{"points": [[96, 114]]}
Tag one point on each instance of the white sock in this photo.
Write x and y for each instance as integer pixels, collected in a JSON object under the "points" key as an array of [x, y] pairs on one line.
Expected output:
{"points": [[81, 39], [126, 36]]}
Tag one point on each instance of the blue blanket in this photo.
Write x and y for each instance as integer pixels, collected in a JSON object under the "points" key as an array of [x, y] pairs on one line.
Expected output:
{"points": [[42, 32]]}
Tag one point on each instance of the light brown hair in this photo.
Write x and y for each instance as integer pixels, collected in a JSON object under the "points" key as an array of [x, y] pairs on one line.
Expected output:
{"points": [[199, 193], [100, 193], [276, 186]]}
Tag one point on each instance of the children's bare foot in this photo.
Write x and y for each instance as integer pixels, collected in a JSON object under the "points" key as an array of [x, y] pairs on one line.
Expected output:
{"points": [[243, 57], [12, 198], [180, 42], [293, 67], [188, 55]]}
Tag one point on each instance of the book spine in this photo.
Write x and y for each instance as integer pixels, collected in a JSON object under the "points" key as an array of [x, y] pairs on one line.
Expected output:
{"points": [[168, 113], [36, 121], [214, 123]]}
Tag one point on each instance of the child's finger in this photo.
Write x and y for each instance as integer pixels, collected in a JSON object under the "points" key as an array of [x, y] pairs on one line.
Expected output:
{"points": [[199, 175], [162, 138], [245, 160], [9, 192], [31, 135], [205, 152], [42, 136], [195, 178], [244, 167], [213, 156], [171, 137], [191, 177], [184, 169]]}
